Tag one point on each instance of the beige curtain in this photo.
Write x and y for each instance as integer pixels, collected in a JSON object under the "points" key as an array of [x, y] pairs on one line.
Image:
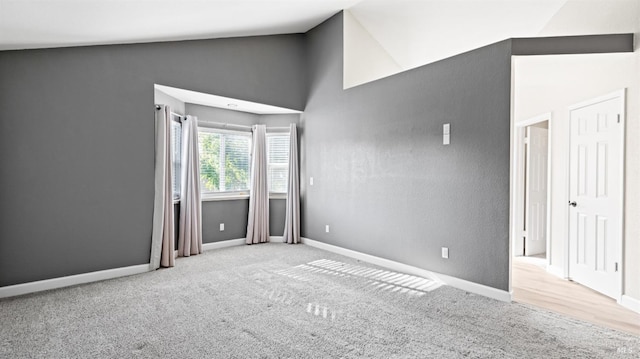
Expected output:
{"points": [[162, 236], [258, 223], [190, 235], [292, 217]]}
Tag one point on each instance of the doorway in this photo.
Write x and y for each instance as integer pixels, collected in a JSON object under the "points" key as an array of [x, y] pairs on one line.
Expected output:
{"points": [[530, 239]]}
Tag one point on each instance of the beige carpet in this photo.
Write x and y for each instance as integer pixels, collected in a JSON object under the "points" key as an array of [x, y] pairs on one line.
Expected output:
{"points": [[288, 301]]}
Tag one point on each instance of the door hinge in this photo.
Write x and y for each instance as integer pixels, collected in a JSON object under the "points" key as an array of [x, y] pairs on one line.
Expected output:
{"points": [[616, 266], [526, 140], [619, 118]]}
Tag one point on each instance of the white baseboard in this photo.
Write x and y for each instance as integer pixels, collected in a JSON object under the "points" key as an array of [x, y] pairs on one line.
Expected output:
{"points": [[54, 283], [630, 303], [556, 271], [223, 244], [400, 267], [234, 242]]}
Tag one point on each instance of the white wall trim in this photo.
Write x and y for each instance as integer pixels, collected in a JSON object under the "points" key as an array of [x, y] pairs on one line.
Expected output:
{"points": [[54, 283], [405, 268], [61, 282], [276, 239], [630, 303], [223, 244]]}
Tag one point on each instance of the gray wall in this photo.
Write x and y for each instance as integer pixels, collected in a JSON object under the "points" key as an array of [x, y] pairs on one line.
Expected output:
{"points": [[77, 141], [214, 114], [384, 182], [562, 45], [233, 213]]}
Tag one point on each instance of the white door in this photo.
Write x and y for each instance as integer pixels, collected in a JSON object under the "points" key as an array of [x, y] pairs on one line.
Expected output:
{"points": [[595, 190], [536, 191]]}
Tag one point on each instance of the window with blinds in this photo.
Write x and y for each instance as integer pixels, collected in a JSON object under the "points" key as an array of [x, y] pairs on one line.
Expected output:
{"points": [[224, 160], [277, 162], [176, 157]]}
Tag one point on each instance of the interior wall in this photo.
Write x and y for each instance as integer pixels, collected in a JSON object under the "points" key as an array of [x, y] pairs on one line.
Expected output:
{"points": [[552, 84], [214, 114], [383, 180], [77, 141]]}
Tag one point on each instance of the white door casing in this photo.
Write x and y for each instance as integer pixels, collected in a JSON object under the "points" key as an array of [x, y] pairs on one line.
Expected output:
{"points": [[536, 191], [595, 193]]}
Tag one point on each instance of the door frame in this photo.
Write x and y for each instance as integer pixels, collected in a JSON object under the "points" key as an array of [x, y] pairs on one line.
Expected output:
{"points": [[623, 117], [518, 181]]}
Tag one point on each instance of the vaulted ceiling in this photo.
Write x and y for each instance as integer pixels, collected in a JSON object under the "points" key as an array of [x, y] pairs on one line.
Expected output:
{"points": [[399, 34], [404, 34]]}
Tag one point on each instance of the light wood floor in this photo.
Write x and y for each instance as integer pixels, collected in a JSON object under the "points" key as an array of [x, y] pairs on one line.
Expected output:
{"points": [[532, 285]]}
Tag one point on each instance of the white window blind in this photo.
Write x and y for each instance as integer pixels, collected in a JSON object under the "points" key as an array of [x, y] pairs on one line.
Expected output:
{"points": [[277, 162], [176, 145], [224, 160]]}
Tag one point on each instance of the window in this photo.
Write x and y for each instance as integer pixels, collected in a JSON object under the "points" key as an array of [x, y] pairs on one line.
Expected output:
{"points": [[277, 162], [224, 160], [176, 157]]}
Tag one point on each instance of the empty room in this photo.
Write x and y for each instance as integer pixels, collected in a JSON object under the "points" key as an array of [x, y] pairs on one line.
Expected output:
{"points": [[320, 179]]}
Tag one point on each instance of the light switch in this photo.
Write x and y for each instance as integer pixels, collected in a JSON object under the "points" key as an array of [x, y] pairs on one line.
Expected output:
{"points": [[446, 133], [221, 227], [310, 181], [326, 228], [445, 252]]}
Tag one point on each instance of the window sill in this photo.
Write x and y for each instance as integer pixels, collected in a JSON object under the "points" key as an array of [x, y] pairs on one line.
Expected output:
{"points": [[232, 197], [224, 197]]}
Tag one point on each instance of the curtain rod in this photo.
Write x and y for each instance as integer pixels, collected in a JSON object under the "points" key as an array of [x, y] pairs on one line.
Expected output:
{"points": [[227, 125], [231, 126], [173, 113]]}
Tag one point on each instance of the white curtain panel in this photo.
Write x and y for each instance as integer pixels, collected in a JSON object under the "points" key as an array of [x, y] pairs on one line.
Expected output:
{"points": [[190, 235], [258, 223], [162, 236], [292, 218]]}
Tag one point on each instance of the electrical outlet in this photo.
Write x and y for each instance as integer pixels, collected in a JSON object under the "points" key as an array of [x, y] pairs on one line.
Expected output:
{"points": [[326, 228], [221, 227], [445, 252]]}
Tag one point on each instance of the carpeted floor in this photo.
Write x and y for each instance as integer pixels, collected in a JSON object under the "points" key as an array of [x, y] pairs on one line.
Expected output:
{"points": [[288, 301]]}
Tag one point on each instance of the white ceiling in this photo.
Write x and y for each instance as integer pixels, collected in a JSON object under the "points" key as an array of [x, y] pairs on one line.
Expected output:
{"points": [[55, 23], [226, 103], [414, 33]]}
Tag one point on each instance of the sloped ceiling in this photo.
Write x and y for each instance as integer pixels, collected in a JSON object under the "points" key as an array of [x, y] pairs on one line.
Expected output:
{"points": [[415, 33], [56, 23], [386, 36]]}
